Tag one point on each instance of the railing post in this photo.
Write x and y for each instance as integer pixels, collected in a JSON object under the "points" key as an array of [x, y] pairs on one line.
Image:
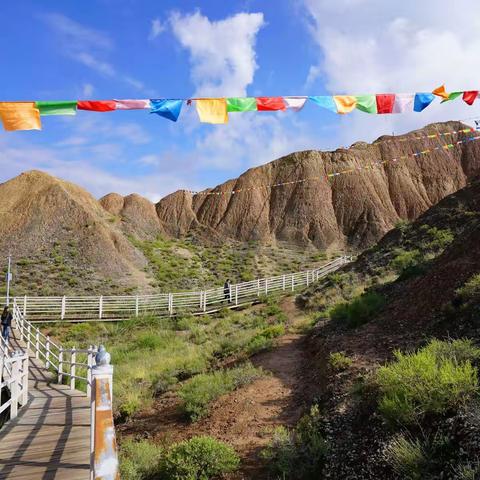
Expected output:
{"points": [[258, 287], [308, 278], [14, 388], [283, 282], [136, 306], [25, 381], [170, 303], [73, 359], [236, 294], [25, 306], [64, 299], [293, 283], [201, 300], [103, 448], [266, 286], [100, 307], [47, 353], [60, 366], [89, 370], [37, 344], [205, 301], [29, 342]]}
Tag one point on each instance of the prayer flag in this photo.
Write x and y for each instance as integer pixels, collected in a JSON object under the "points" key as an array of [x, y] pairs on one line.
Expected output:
{"points": [[452, 96], [212, 110], [385, 102], [441, 92], [295, 103], [267, 104], [20, 116], [57, 108], [97, 105], [470, 97], [345, 103], [238, 104], [167, 108], [132, 104], [403, 102], [422, 101], [325, 102], [367, 103]]}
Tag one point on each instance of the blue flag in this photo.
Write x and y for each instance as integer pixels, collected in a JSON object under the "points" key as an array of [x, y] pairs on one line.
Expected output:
{"points": [[422, 101], [167, 108], [325, 102]]}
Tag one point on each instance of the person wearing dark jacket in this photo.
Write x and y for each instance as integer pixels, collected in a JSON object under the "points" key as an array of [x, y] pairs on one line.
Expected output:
{"points": [[226, 291], [6, 321]]}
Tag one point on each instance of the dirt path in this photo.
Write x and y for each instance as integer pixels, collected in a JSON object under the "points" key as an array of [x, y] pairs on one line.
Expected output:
{"points": [[245, 417]]}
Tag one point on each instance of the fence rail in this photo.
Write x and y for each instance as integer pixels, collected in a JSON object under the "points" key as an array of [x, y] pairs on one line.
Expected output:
{"points": [[14, 380], [124, 306]]}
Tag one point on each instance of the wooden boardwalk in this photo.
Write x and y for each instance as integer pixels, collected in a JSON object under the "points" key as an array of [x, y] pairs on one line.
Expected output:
{"points": [[50, 438]]}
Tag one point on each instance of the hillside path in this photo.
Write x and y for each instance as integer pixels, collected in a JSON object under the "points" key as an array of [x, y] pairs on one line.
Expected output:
{"points": [[50, 438]]}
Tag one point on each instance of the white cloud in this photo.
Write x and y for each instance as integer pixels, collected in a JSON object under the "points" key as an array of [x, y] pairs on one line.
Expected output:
{"points": [[222, 53], [87, 90], [373, 46], [94, 63], [156, 28]]}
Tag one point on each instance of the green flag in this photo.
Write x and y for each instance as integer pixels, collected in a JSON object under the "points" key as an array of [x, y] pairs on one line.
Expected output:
{"points": [[367, 103], [452, 96], [57, 108], [241, 104]]}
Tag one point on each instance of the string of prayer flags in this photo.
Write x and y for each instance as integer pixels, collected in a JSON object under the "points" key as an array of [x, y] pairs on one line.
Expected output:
{"points": [[167, 108], [270, 104], [20, 116], [422, 101], [57, 108], [132, 104], [212, 110], [345, 103], [97, 105], [239, 104]]}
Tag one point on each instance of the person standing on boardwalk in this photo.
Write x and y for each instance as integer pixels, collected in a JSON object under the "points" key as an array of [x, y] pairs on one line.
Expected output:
{"points": [[6, 323], [226, 290]]}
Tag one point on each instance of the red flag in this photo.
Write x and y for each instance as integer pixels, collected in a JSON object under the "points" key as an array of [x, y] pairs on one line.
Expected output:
{"points": [[270, 103], [97, 105], [469, 97], [385, 102]]}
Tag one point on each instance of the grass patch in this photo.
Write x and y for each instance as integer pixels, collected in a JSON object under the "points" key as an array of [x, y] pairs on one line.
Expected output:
{"points": [[339, 361], [199, 392], [471, 290], [139, 460], [406, 456], [358, 311]]}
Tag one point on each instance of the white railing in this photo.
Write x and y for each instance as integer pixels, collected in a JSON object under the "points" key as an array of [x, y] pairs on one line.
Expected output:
{"points": [[14, 378], [117, 307]]}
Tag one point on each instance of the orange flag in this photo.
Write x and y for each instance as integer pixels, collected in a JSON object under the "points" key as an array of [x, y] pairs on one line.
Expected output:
{"points": [[441, 92], [345, 103], [212, 110], [20, 116]]}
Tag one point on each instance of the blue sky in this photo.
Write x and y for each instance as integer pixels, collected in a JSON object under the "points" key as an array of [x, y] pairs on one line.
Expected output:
{"points": [[101, 49]]}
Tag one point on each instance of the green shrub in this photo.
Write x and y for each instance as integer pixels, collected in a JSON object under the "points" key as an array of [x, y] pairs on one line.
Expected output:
{"points": [[200, 458], [404, 260], [198, 392], [298, 453], [139, 460], [468, 471], [339, 361], [406, 456], [439, 239], [432, 380], [471, 290], [359, 310]]}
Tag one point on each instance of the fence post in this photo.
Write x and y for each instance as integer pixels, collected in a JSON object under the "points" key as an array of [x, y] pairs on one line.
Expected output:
{"points": [[89, 370], [37, 345], [205, 301], [293, 283], [100, 307], [29, 342], [283, 282], [308, 278], [25, 306], [103, 448], [258, 287], [136, 306], [73, 359], [201, 300], [236, 294], [25, 381], [60, 366], [47, 353], [266, 286], [14, 388], [63, 307], [170, 303]]}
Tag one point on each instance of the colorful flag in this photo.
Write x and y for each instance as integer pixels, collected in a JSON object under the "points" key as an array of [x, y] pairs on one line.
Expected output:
{"points": [[268, 104], [295, 103], [212, 110], [97, 105], [470, 96], [367, 103], [452, 96], [132, 104], [325, 102], [385, 102], [403, 102], [345, 103], [167, 108], [20, 116], [57, 108], [441, 92], [239, 104], [422, 101]]}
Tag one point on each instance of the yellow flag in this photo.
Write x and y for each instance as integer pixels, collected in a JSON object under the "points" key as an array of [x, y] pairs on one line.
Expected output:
{"points": [[441, 92], [212, 110], [345, 103], [20, 116]]}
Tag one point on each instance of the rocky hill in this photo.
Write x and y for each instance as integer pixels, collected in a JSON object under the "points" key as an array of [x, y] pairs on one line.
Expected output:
{"points": [[353, 210]]}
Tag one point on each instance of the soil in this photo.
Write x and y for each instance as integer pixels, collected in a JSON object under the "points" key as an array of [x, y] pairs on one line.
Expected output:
{"points": [[246, 417]]}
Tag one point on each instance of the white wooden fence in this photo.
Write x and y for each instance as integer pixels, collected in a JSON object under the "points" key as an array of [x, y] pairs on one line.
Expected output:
{"points": [[205, 301], [14, 380]]}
